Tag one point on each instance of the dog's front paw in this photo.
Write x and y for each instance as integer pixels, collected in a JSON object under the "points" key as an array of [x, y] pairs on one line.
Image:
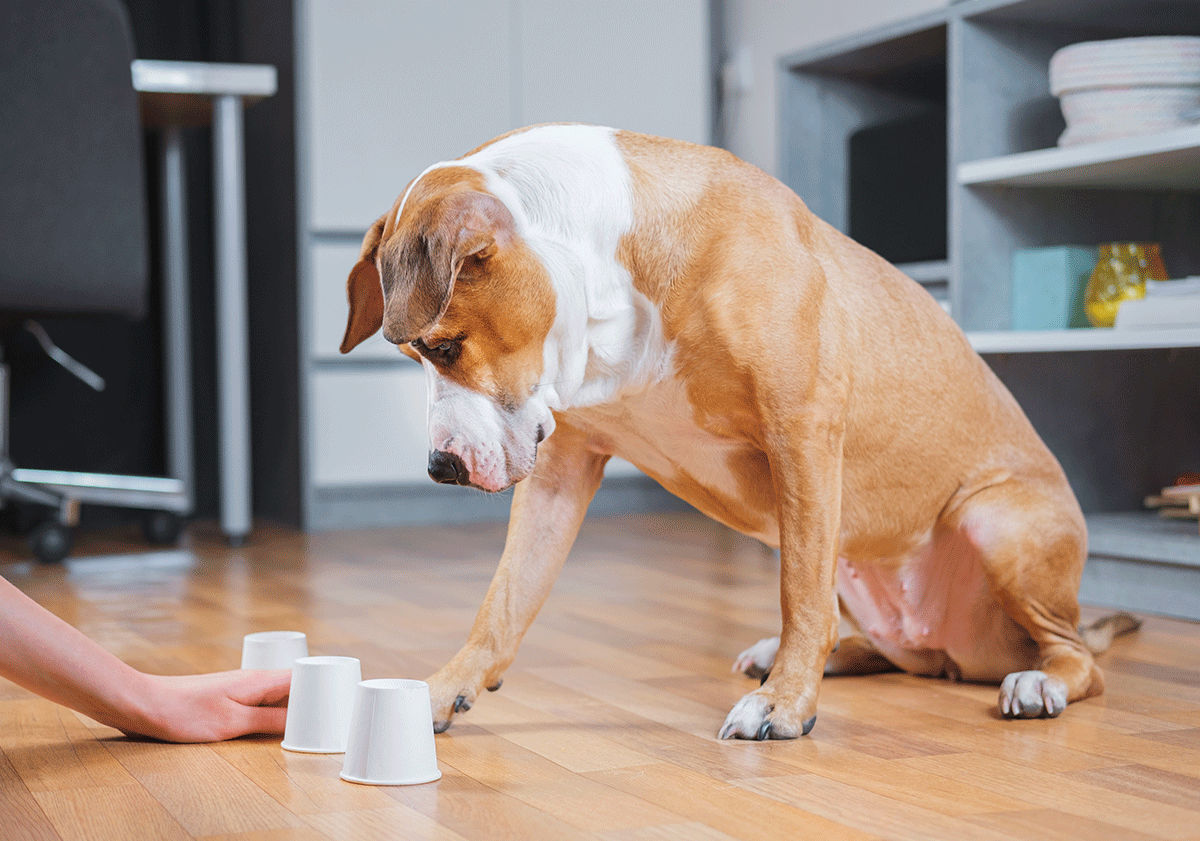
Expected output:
{"points": [[1032, 694], [768, 714], [756, 661], [453, 689]]}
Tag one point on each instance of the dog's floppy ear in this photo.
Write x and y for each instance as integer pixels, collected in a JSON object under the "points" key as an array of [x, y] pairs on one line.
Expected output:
{"points": [[364, 292], [468, 226]]}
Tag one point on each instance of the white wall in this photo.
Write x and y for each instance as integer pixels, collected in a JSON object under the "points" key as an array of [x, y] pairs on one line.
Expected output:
{"points": [[768, 29]]}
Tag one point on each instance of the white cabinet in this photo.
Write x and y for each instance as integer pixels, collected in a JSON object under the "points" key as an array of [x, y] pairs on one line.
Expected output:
{"points": [[383, 89]]}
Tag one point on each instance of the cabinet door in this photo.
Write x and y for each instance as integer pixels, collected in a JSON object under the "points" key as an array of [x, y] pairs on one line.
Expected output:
{"points": [[330, 263], [642, 65], [390, 87], [368, 427]]}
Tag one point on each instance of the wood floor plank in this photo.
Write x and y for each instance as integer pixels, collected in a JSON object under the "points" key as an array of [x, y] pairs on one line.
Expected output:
{"points": [[475, 810], [692, 831], [205, 794], [836, 759], [303, 783], [866, 811], [116, 813], [728, 808], [392, 823], [50, 748], [1052, 825], [722, 760], [577, 749], [1149, 783], [1064, 794], [547, 786], [289, 834], [21, 816]]}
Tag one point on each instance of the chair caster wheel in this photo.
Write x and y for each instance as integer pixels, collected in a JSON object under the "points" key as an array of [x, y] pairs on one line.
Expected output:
{"points": [[51, 542], [162, 528]]}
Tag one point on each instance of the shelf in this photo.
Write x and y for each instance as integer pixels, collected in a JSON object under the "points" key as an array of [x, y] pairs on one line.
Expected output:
{"points": [[928, 272], [1040, 341], [1144, 536], [1140, 562], [1167, 160]]}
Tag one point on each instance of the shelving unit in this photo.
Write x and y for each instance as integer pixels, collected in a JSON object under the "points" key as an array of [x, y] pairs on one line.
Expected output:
{"points": [[1119, 408]]}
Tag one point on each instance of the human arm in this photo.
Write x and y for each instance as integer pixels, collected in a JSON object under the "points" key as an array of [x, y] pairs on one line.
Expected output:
{"points": [[46, 655]]}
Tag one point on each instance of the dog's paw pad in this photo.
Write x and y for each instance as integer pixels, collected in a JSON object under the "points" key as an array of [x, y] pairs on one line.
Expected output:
{"points": [[1032, 694], [756, 661]]}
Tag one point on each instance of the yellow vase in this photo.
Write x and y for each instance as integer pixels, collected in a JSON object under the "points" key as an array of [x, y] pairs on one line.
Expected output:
{"points": [[1120, 275]]}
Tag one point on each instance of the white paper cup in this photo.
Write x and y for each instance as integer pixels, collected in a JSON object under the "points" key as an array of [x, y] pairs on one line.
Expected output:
{"points": [[391, 735], [320, 703], [273, 649]]}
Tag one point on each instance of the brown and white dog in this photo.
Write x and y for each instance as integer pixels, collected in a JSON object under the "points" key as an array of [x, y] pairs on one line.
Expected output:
{"points": [[576, 292]]}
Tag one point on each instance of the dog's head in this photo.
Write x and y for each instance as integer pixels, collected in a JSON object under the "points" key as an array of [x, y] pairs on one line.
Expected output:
{"points": [[449, 280]]}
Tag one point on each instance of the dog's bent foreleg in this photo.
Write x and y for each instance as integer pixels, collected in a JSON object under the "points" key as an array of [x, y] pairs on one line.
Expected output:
{"points": [[547, 510], [806, 467]]}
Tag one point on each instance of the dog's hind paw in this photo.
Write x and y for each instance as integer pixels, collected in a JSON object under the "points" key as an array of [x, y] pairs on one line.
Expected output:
{"points": [[756, 661], [1032, 694]]}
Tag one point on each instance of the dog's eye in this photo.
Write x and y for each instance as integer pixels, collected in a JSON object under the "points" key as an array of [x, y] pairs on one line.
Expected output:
{"points": [[444, 352]]}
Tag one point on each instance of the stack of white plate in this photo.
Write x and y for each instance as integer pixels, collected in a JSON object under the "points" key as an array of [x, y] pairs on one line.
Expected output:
{"points": [[1126, 86]]}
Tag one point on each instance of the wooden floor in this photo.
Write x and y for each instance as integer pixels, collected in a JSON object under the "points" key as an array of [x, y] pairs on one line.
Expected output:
{"points": [[605, 725]]}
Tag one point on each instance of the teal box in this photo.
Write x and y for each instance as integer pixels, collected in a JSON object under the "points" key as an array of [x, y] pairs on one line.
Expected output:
{"points": [[1048, 285]]}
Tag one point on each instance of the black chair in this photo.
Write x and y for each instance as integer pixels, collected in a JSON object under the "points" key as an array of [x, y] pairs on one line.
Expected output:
{"points": [[73, 227]]}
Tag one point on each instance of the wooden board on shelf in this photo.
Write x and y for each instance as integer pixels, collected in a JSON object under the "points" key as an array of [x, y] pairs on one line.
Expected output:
{"points": [[1180, 502]]}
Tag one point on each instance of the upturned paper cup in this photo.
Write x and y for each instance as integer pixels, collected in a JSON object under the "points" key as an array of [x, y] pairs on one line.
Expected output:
{"points": [[320, 704], [273, 649], [391, 735]]}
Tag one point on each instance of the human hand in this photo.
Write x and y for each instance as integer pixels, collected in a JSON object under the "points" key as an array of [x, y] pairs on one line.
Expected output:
{"points": [[212, 707]]}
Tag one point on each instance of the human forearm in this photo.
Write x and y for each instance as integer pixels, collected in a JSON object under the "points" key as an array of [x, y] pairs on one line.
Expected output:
{"points": [[46, 655]]}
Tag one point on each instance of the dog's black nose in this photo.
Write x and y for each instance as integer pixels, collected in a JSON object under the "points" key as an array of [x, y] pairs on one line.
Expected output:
{"points": [[447, 468]]}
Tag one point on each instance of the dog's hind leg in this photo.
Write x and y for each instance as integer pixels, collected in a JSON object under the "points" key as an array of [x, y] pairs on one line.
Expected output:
{"points": [[1032, 543], [856, 655], [757, 660]]}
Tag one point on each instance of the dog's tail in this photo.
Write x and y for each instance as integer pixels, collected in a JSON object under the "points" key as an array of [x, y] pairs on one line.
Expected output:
{"points": [[1099, 635]]}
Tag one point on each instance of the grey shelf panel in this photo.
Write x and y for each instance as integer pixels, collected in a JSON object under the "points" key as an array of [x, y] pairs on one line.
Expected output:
{"points": [[1144, 536], [1101, 18], [1166, 161], [917, 40], [1082, 339], [1141, 562], [927, 272]]}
